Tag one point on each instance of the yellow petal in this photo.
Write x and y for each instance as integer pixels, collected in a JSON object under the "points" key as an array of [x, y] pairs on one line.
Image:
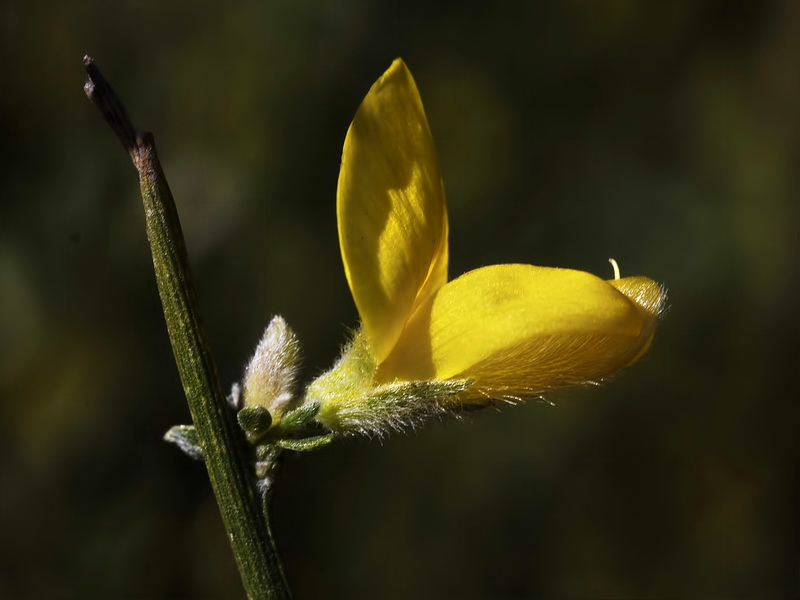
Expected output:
{"points": [[391, 208], [520, 330]]}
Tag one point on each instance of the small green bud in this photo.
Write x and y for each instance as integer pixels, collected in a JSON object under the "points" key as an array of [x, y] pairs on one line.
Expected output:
{"points": [[255, 421]]}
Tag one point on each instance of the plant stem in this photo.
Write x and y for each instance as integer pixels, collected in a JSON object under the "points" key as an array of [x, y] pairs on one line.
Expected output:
{"points": [[220, 438]]}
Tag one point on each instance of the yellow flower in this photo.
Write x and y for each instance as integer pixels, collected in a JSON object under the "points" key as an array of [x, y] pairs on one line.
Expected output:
{"points": [[426, 345]]}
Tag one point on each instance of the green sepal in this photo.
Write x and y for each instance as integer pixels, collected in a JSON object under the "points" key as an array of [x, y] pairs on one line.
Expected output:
{"points": [[381, 409], [185, 437], [255, 421], [305, 444], [299, 417]]}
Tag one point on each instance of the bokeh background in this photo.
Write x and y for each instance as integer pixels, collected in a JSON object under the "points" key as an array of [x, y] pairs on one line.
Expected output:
{"points": [[664, 134]]}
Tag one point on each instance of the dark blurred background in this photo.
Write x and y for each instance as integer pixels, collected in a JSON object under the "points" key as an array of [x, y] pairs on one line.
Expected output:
{"points": [[664, 134]]}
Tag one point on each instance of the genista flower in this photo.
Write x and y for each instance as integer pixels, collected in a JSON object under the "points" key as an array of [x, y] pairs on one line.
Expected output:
{"points": [[425, 345]]}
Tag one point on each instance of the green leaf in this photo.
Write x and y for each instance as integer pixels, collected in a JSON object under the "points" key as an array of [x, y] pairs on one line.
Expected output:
{"points": [[185, 437]]}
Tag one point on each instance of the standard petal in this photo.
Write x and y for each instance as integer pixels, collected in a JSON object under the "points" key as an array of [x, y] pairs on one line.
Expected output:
{"points": [[520, 330], [391, 208]]}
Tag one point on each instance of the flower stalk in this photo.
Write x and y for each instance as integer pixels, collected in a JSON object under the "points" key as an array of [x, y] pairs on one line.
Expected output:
{"points": [[220, 439]]}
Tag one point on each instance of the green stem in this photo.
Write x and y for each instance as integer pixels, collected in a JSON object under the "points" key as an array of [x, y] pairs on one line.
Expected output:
{"points": [[220, 438]]}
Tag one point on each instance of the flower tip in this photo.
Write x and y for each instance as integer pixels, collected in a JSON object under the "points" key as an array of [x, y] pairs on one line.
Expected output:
{"points": [[398, 63], [648, 295]]}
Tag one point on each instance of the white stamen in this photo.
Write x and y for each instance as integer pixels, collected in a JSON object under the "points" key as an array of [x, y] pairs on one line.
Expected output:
{"points": [[616, 267]]}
